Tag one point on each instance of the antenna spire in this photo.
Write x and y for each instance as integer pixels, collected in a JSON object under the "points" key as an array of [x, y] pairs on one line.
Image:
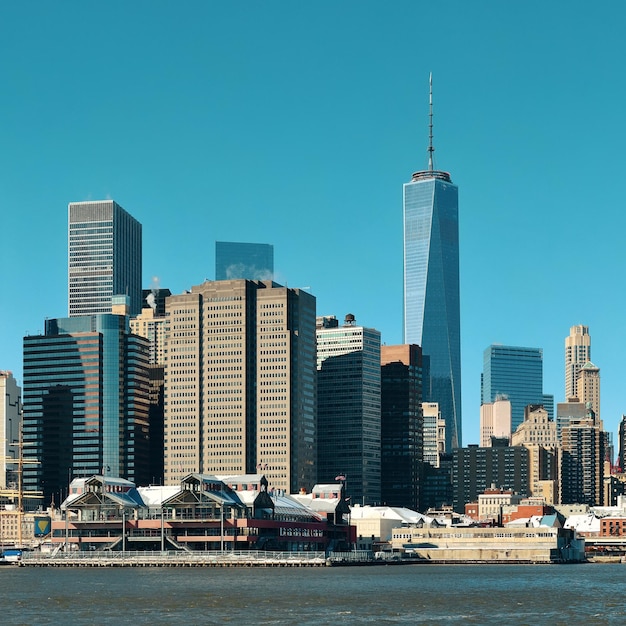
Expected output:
{"points": [[431, 148]]}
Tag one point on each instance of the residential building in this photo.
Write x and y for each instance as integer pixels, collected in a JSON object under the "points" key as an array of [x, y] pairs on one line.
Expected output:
{"points": [[431, 286], [577, 353], [582, 461], [10, 426], [252, 261], [538, 434], [495, 420], [516, 373], [104, 257], [402, 424], [85, 403], [434, 433], [492, 501], [588, 387], [567, 412], [240, 388], [349, 406], [475, 469]]}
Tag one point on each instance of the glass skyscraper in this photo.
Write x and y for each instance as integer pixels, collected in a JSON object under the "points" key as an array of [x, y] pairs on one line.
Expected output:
{"points": [[252, 261], [104, 244], [431, 290], [349, 407], [86, 401], [516, 373]]}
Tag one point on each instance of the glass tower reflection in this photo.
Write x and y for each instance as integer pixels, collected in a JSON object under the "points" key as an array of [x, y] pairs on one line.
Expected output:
{"points": [[431, 289]]}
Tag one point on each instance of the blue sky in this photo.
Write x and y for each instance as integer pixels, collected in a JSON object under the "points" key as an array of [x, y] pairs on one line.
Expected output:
{"points": [[296, 124]]}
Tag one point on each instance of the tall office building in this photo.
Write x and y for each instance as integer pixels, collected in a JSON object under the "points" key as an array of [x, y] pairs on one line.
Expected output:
{"points": [[10, 425], [85, 403], [402, 426], [240, 383], [577, 353], [252, 261], [515, 373], [348, 407], [431, 286], [104, 244]]}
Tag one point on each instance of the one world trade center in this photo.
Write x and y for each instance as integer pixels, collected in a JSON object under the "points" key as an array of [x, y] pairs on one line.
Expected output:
{"points": [[431, 286]]}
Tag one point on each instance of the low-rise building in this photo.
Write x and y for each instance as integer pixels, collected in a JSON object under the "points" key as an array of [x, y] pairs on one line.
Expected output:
{"points": [[488, 545], [204, 513]]}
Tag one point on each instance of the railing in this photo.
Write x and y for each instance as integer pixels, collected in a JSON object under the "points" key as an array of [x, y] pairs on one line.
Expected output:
{"points": [[174, 556]]}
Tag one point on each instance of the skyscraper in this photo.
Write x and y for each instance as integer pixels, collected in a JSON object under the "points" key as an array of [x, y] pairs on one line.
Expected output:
{"points": [[348, 407], [402, 426], [515, 373], [240, 383], [104, 244], [577, 353], [10, 425], [252, 261], [583, 447], [431, 286], [85, 402]]}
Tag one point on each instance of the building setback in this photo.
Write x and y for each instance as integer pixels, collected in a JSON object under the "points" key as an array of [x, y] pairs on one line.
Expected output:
{"points": [[240, 383], [431, 286], [104, 246], [348, 379], [85, 403], [402, 426]]}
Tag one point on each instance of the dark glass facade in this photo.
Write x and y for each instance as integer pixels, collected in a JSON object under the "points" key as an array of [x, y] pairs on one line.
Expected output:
{"points": [[252, 261], [431, 290], [86, 400], [348, 410], [402, 426], [517, 373]]}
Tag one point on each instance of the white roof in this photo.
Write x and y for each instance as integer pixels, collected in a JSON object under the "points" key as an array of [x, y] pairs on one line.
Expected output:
{"points": [[399, 514], [155, 494], [588, 523]]}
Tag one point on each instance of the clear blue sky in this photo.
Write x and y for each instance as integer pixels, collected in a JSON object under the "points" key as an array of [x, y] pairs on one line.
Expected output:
{"points": [[296, 124]]}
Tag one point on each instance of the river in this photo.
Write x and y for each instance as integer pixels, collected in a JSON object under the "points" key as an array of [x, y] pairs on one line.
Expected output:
{"points": [[400, 594]]}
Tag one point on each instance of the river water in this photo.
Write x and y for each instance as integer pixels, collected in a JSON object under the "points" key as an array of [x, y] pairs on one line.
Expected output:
{"points": [[401, 594]]}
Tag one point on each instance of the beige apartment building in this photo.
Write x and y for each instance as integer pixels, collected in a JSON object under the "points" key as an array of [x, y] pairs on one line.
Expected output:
{"points": [[588, 388], [538, 434], [240, 395]]}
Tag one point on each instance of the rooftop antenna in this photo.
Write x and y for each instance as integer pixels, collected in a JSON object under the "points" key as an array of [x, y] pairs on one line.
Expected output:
{"points": [[431, 148]]}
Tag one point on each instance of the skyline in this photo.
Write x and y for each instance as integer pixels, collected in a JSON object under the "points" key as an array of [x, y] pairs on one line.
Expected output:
{"points": [[276, 124]]}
